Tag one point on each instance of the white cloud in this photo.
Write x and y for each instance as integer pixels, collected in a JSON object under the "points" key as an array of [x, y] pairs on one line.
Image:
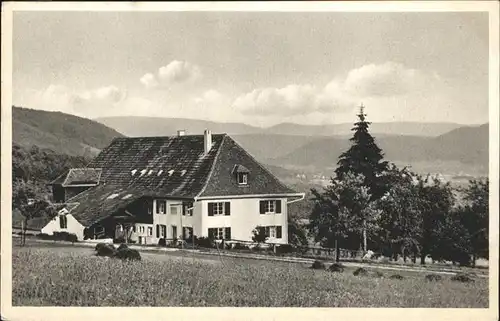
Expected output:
{"points": [[149, 80], [292, 99], [176, 72], [62, 98], [388, 79], [339, 95]]}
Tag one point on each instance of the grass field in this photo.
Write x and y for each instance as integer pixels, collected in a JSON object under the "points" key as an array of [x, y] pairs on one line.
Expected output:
{"points": [[73, 276]]}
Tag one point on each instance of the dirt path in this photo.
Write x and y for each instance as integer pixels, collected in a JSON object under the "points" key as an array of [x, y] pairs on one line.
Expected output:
{"points": [[155, 253]]}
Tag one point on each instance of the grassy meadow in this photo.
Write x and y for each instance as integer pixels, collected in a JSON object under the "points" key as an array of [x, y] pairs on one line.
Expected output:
{"points": [[73, 276]]}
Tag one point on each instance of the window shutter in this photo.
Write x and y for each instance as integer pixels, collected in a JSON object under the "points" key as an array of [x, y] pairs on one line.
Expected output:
{"points": [[157, 207], [278, 232], [157, 230], [227, 209], [278, 206], [210, 209], [262, 230], [262, 207], [227, 233], [211, 233]]}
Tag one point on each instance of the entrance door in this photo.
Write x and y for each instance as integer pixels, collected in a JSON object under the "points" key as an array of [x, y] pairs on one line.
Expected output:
{"points": [[174, 231]]}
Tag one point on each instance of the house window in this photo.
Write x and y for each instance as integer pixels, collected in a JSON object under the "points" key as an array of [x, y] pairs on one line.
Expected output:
{"points": [[150, 231], [63, 221], [161, 231], [242, 178], [219, 208], [270, 207], [187, 208], [219, 233], [273, 231], [141, 229], [174, 209], [161, 207]]}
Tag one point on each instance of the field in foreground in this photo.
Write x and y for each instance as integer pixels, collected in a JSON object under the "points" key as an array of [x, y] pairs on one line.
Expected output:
{"points": [[72, 276]]}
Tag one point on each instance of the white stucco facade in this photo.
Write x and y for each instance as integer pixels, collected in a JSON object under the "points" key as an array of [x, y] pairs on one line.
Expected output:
{"points": [[72, 226], [167, 222], [244, 218]]}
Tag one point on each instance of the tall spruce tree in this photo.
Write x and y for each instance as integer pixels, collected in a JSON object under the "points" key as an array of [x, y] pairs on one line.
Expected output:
{"points": [[364, 157]]}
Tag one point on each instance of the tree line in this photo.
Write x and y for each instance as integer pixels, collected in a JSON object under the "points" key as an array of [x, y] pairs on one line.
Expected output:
{"points": [[371, 204], [32, 169]]}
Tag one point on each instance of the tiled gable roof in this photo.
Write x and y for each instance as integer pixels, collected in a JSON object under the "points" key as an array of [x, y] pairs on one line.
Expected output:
{"points": [[223, 181], [82, 176], [97, 203], [131, 169], [174, 166]]}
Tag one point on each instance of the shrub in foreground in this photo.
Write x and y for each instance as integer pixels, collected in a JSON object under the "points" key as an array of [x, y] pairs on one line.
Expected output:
{"points": [[122, 246], [104, 249], [318, 265], [336, 267], [433, 277], [127, 254], [162, 242], [462, 277], [396, 277], [360, 271]]}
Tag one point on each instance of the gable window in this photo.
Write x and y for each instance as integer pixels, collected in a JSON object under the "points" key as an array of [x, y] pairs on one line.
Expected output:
{"points": [[219, 233], [242, 178], [241, 173], [270, 207], [219, 208], [161, 207], [63, 221], [150, 231]]}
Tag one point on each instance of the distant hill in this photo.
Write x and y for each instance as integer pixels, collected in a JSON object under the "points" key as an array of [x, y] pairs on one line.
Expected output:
{"points": [[467, 146], [62, 133], [388, 128], [157, 126], [270, 146]]}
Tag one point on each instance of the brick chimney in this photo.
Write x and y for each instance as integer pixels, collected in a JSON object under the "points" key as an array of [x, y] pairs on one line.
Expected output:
{"points": [[207, 142]]}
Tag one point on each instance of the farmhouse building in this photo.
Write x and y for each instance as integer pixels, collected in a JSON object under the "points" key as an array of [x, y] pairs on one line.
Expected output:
{"points": [[149, 188]]}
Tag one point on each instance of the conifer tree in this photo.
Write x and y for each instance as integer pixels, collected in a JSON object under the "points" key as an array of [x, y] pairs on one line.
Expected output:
{"points": [[364, 157]]}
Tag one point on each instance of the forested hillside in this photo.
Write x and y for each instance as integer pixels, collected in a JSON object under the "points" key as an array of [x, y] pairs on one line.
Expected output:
{"points": [[62, 133]]}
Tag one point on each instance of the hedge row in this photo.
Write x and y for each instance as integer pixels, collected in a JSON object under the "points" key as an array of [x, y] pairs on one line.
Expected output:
{"points": [[59, 236], [205, 242]]}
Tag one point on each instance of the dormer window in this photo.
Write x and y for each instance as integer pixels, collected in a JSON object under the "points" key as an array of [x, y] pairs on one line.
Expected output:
{"points": [[242, 178], [240, 173]]}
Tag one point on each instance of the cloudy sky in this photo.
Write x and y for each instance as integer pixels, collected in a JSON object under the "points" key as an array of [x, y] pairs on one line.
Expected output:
{"points": [[258, 68]]}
